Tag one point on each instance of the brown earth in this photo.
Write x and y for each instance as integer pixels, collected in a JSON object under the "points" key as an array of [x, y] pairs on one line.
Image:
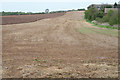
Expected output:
{"points": [[16, 19], [61, 47]]}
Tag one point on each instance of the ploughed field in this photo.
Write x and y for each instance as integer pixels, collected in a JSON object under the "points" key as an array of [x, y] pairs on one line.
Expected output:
{"points": [[60, 47], [16, 19]]}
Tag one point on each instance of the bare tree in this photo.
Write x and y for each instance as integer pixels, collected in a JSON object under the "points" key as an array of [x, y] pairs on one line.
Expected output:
{"points": [[47, 11]]}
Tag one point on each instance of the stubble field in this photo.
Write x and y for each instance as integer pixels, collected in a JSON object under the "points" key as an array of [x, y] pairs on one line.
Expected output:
{"points": [[60, 47]]}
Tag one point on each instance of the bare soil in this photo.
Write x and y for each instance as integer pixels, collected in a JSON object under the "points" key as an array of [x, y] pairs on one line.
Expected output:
{"points": [[59, 48], [16, 19]]}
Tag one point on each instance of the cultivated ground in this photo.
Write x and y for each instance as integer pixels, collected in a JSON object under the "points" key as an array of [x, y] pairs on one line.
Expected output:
{"points": [[65, 46], [16, 19]]}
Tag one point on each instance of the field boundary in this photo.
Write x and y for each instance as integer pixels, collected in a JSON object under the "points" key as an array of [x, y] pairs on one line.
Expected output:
{"points": [[102, 26]]}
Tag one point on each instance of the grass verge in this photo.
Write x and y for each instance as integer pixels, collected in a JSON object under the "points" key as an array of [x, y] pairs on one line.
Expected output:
{"points": [[105, 30], [102, 26], [88, 30]]}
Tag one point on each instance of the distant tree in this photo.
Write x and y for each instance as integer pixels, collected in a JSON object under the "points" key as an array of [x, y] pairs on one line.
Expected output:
{"points": [[19, 13], [115, 5], [47, 11], [73, 9], [108, 6], [81, 9]]}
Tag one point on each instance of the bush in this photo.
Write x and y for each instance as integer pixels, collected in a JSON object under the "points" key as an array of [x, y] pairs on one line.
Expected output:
{"points": [[108, 6], [110, 13], [91, 14], [105, 19], [100, 14], [114, 18], [119, 17], [99, 19], [81, 9], [86, 14], [112, 22], [111, 17]]}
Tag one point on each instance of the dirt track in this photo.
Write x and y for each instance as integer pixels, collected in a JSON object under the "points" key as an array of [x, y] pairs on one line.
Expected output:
{"points": [[65, 46]]}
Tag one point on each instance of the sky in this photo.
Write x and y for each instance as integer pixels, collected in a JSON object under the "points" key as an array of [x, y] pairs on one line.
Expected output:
{"points": [[52, 5]]}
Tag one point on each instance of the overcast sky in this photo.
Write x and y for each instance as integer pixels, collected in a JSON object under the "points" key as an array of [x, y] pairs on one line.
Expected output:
{"points": [[53, 5]]}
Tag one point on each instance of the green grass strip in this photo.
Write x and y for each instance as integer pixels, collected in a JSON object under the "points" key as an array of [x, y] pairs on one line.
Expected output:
{"points": [[102, 26]]}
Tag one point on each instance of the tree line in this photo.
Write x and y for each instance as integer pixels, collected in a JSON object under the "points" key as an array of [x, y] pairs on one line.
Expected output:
{"points": [[19, 13], [112, 17], [30, 13]]}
